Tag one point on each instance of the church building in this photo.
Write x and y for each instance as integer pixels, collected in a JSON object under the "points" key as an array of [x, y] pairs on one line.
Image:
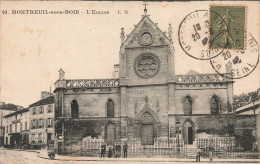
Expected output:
{"points": [[146, 101]]}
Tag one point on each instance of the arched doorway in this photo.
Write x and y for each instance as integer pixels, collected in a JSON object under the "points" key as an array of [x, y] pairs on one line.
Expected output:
{"points": [[110, 134], [188, 132], [147, 129]]}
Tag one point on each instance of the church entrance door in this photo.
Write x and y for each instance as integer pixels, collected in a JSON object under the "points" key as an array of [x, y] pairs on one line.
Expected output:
{"points": [[147, 129], [147, 134], [110, 134], [190, 141], [188, 133]]}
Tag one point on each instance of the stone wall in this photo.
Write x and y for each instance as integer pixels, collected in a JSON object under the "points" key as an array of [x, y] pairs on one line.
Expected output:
{"points": [[216, 125], [200, 95], [157, 101], [78, 129], [91, 102]]}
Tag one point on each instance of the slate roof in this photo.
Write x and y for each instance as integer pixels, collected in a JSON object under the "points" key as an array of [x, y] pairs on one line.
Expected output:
{"points": [[192, 72], [17, 112], [9, 107], [48, 100]]}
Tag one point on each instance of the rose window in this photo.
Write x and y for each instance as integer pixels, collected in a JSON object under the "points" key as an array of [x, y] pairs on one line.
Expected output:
{"points": [[146, 65]]}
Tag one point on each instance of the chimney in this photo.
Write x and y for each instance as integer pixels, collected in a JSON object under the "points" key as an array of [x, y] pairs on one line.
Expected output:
{"points": [[116, 71], [19, 107], [45, 94]]}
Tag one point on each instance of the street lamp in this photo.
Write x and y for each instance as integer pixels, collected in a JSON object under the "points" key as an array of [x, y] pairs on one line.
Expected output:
{"points": [[178, 139]]}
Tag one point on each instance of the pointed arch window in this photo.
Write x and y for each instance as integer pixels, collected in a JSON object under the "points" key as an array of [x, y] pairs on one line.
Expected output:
{"points": [[110, 108], [74, 109], [215, 104], [187, 105]]}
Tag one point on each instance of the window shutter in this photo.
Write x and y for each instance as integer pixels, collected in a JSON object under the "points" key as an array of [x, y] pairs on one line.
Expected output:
{"points": [[46, 122], [51, 122], [36, 124], [42, 122], [43, 109]]}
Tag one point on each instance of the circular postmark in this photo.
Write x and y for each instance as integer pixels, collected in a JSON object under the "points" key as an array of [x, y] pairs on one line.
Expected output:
{"points": [[236, 64], [146, 65], [196, 36]]}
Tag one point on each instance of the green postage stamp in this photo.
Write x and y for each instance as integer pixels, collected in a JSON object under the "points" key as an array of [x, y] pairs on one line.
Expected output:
{"points": [[231, 30]]}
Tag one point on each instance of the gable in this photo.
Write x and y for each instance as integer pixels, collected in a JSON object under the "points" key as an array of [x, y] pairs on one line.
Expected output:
{"points": [[146, 26]]}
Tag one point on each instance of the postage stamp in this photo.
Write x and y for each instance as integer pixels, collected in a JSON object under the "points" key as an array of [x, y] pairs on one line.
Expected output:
{"points": [[194, 35], [235, 19], [242, 62]]}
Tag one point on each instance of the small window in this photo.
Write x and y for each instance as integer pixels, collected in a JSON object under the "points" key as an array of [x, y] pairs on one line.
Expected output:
{"points": [[40, 123], [41, 110], [49, 109], [25, 125], [11, 128], [49, 122], [21, 126], [34, 111], [187, 105], [110, 108], [33, 124], [215, 104], [74, 109]]}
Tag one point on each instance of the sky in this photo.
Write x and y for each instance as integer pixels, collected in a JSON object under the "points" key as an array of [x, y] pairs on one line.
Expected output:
{"points": [[86, 46]]}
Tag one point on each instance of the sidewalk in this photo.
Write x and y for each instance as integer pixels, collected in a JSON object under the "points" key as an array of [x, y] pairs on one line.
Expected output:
{"points": [[150, 159]]}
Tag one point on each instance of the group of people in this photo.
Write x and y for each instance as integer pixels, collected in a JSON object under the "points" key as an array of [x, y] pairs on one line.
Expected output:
{"points": [[114, 151], [210, 154]]}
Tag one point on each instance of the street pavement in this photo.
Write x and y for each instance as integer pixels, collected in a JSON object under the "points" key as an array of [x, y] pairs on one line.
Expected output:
{"points": [[40, 157]]}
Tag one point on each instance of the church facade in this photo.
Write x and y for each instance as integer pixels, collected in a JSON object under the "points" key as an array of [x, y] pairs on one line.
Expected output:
{"points": [[147, 101]]}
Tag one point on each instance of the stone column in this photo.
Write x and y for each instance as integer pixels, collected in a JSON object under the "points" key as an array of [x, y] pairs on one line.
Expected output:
{"points": [[123, 114], [229, 86]]}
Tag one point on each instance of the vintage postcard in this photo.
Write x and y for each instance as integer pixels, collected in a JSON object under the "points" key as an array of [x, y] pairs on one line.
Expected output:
{"points": [[129, 82]]}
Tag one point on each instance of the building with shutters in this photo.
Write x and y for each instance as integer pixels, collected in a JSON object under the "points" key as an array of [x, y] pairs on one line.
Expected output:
{"points": [[4, 110], [42, 121], [17, 129], [146, 101]]}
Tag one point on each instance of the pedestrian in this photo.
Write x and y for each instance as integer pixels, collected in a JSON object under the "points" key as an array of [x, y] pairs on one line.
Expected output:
{"points": [[117, 150], [125, 147], [211, 149], [210, 155], [255, 146], [110, 151], [199, 152], [103, 151]]}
